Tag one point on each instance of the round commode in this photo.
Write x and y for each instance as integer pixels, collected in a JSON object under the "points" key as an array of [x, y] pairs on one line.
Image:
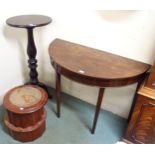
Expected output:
{"points": [[26, 116]]}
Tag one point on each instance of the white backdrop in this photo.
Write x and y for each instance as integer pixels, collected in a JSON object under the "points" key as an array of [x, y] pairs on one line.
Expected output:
{"points": [[126, 33]]}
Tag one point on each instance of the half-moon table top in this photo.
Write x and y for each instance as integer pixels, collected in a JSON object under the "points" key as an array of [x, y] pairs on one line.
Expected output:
{"points": [[92, 63], [28, 21]]}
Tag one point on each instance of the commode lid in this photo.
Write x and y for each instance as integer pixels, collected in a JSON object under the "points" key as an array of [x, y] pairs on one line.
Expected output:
{"points": [[25, 96], [25, 99]]}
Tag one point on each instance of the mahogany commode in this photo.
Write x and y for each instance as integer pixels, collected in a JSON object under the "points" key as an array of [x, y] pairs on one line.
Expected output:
{"points": [[26, 116], [93, 67], [29, 22]]}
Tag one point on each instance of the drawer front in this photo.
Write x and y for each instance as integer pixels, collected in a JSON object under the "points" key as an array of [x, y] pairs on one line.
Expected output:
{"points": [[143, 127]]}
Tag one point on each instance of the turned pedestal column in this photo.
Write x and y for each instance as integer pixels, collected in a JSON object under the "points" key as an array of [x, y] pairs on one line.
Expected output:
{"points": [[29, 22]]}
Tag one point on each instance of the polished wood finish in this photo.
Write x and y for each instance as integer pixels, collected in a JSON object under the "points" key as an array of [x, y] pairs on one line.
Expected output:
{"points": [[141, 127], [93, 67], [150, 83], [28, 123], [30, 22]]}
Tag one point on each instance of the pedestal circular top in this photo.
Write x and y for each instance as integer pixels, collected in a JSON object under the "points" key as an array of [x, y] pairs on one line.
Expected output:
{"points": [[28, 21]]}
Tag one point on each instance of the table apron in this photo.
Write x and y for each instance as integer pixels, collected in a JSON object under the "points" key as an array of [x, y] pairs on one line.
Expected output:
{"points": [[92, 81]]}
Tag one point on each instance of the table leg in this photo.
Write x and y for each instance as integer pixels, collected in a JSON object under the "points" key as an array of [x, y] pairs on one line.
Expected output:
{"points": [[98, 106], [58, 92]]}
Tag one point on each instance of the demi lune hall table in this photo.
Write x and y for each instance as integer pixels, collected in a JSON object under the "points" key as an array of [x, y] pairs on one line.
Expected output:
{"points": [[93, 67], [29, 22]]}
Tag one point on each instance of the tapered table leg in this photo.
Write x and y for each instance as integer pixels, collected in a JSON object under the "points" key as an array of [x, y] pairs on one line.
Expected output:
{"points": [[58, 92], [98, 106]]}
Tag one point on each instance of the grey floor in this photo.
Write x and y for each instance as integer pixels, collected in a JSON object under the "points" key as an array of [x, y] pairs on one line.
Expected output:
{"points": [[74, 125]]}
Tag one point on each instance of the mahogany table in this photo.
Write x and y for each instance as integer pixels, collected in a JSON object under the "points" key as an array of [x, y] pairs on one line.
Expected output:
{"points": [[30, 22], [93, 67]]}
